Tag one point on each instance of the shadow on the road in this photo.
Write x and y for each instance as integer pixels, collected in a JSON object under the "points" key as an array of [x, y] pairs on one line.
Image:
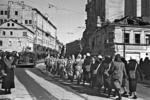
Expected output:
{"points": [[72, 86]]}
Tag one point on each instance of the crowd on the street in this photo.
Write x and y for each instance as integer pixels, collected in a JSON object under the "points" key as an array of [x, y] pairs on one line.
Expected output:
{"points": [[108, 74]]}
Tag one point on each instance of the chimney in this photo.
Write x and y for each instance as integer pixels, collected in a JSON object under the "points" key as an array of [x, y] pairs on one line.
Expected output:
{"points": [[22, 2], [10, 3]]}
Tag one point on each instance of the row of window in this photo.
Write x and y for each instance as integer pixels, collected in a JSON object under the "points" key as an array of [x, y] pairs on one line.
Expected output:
{"points": [[28, 21], [4, 20], [137, 38], [3, 13], [127, 38], [10, 43], [11, 33], [6, 12], [4, 33]]}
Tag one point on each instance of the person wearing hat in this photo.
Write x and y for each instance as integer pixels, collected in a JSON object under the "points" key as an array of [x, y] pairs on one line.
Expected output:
{"points": [[133, 69], [118, 73]]}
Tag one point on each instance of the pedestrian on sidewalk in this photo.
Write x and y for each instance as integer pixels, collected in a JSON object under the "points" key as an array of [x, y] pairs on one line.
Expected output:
{"points": [[8, 65], [133, 71]]}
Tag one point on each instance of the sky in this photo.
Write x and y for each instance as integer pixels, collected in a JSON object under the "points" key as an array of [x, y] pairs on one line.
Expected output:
{"points": [[67, 15]]}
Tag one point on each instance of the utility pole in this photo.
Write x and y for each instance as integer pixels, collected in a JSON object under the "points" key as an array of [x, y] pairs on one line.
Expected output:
{"points": [[124, 45]]}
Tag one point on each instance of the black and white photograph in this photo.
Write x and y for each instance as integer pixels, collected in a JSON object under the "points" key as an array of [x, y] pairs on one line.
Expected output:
{"points": [[74, 49]]}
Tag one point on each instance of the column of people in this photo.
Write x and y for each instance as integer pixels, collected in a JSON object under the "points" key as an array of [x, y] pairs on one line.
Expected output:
{"points": [[107, 73]]}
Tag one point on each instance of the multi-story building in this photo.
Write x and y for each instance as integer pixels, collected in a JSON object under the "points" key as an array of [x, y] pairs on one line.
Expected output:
{"points": [[15, 37], [108, 36], [98, 13], [33, 19], [111, 39]]}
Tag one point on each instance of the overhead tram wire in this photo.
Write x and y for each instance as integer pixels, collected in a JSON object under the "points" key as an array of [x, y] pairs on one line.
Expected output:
{"points": [[51, 5]]}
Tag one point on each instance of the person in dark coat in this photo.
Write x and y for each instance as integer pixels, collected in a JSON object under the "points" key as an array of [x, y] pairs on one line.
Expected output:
{"points": [[133, 76], [146, 67], [141, 64], [86, 68], [8, 65], [94, 71]]}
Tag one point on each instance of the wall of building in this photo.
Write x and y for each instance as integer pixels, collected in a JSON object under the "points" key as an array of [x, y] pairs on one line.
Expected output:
{"points": [[145, 8], [3, 13], [114, 10], [15, 42], [73, 48], [131, 7], [34, 20]]}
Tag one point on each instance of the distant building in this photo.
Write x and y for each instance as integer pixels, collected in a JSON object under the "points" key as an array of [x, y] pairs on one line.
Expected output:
{"points": [[33, 19], [16, 37], [73, 48]]}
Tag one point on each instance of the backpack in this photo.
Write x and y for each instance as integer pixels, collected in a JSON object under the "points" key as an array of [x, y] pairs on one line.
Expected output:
{"points": [[132, 73]]}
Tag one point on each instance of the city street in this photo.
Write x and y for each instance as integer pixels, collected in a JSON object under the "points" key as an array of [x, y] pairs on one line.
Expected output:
{"points": [[34, 84]]}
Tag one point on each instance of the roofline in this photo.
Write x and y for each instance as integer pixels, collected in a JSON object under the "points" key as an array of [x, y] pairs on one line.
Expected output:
{"points": [[19, 25], [35, 9], [127, 25]]}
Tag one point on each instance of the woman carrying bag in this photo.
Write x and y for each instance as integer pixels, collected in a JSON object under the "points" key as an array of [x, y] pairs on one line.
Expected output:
{"points": [[134, 68]]}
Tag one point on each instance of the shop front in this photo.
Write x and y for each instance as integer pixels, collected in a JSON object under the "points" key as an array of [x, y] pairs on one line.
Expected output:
{"points": [[138, 51]]}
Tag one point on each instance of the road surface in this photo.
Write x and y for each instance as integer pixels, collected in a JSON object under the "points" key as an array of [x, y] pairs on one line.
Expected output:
{"points": [[34, 84]]}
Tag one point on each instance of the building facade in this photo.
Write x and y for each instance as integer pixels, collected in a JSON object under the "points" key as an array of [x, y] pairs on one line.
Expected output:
{"points": [[33, 19], [15, 37], [100, 12], [109, 40], [109, 37]]}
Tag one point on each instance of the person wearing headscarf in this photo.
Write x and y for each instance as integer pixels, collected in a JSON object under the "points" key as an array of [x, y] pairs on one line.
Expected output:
{"points": [[8, 65], [94, 71], [78, 68], [118, 72], [69, 68], [86, 68], [133, 71]]}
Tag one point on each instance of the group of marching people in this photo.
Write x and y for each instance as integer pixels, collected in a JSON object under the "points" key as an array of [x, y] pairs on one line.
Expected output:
{"points": [[107, 73]]}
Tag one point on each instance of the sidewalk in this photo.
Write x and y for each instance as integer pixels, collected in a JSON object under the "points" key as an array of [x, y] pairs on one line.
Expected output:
{"points": [[87, 93], [18, 93]]}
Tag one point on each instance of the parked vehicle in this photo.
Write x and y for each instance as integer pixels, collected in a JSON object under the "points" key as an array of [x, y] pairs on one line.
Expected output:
{"points": [[26, 59]]}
